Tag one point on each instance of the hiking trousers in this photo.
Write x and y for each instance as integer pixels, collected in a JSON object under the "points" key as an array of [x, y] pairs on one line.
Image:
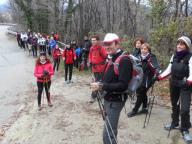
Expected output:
{"points": [[113, 110], [56, 63], [40, 86], [68, 68], [180, 100], [141, 98]]}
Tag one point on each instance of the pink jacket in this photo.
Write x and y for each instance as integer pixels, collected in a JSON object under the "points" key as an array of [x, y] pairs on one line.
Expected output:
{"points": [[39, 68]]}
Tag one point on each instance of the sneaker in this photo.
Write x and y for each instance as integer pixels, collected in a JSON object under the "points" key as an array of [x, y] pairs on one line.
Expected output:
{"points": [[92, 100], [40, 108], [187, 137], [50, 104], [171, 126], [66, 82], [70, 81], [132, 113]]}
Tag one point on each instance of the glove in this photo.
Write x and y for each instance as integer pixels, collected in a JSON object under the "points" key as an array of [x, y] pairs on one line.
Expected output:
{"points": [[45, 73]]}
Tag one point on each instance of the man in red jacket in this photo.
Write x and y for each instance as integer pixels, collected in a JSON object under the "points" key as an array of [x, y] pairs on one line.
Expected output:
{"points": [[97, 59], [68, 58]]}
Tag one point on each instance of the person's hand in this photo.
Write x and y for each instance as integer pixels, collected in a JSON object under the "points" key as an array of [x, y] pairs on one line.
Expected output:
{"points": [[63, 59], [183, 83], [45, 73], [95, 86], [154, 79]]}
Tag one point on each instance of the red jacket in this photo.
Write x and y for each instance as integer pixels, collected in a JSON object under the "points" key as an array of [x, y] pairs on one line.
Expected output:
{"points": [[97, 57], [39, 68], [56, 53], [69, 56]]}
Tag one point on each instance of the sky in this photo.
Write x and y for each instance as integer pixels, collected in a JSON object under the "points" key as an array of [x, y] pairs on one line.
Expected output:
{"points": [[3, 2]]}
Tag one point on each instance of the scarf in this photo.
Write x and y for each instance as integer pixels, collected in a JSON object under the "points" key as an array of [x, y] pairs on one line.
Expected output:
{"points": [[144, 56], [43, 62], [181, 54]]}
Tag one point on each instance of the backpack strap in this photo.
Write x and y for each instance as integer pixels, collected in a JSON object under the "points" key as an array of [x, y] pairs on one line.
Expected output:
{"points": [[117, 61]]}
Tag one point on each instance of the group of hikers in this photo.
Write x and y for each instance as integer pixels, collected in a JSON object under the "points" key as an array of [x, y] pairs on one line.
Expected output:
{"points": [[113, 71]]}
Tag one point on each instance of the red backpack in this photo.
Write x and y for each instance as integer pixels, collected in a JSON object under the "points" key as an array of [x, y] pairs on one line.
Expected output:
{"points": [[137, 73]]}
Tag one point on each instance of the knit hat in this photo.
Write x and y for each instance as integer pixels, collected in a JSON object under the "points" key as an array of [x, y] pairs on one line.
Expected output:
{"points": [[111, 37], [186, 40]]}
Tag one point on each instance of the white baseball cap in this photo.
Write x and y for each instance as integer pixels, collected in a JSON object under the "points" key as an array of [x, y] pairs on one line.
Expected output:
{"points": [[111, 37]]}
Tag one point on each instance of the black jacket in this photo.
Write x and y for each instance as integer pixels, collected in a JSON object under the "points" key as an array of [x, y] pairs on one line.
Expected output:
{"points": [[136, 52], [150, 68], [117, 83], [180, 69]]}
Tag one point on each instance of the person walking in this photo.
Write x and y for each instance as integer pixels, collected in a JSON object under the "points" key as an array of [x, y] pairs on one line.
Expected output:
{"points": [[180, 71], [43, 72], [85, 51], [150, 68], [97, 60], [56, 53], [114, 86], [68, 57]]}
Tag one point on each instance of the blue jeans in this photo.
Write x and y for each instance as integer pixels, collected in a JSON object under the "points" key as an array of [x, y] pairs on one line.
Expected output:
{"points": [[113, 110]]}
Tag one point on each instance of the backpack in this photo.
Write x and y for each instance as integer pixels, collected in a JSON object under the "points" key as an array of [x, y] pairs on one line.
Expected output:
{"points": [[137, 73]]}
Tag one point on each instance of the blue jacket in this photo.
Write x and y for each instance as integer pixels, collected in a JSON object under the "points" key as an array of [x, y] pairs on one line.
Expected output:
{"points": [[78, 52], [52, 43]]}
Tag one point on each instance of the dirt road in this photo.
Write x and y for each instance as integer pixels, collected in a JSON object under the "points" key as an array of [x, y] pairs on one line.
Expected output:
{"points": [[72, 120]]}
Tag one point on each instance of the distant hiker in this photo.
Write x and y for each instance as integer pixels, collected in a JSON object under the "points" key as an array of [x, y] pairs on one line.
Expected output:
{"points": [[52, 44], [30, 43], [137, 46], [114, 85], [78, 57], [24, 39], [68, 57], [18, 35], [97, 59], [56, 57], [180, 71], [150, 69], [43, 72], [34, 45], [85, 51], [42, 43]]}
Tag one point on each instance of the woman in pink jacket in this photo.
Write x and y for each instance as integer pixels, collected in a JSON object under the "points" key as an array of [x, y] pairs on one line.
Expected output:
{"points": [[43, 72]]}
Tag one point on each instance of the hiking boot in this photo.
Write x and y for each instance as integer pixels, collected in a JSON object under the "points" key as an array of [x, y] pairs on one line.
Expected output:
{"points": [[187, 137], [143, 111], [132, 113], [92, 100], [171, 126]]}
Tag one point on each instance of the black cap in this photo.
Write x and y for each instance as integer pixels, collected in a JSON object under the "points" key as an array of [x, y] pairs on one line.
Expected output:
{"points": [[42, 53]]}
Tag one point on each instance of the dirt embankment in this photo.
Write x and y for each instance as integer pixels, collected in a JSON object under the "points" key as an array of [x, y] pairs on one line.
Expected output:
{"points": [[72, 120]]}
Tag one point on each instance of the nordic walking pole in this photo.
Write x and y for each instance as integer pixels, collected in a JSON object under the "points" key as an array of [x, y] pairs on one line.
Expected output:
{"points": [[106, 119], [170, 130], [150, 106]]}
